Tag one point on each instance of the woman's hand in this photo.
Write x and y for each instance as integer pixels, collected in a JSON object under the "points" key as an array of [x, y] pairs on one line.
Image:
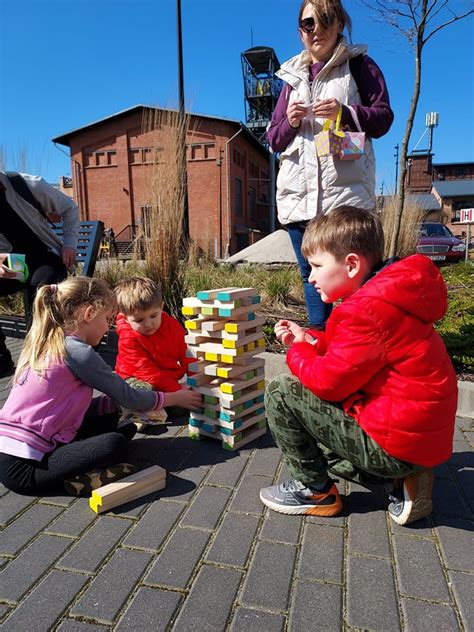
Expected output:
{"points": [[186, 398], [295, 112], [326, 109]]}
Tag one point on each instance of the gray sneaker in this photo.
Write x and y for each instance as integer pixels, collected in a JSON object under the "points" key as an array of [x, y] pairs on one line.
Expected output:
{"points": [[410, 498], [292, 497]]}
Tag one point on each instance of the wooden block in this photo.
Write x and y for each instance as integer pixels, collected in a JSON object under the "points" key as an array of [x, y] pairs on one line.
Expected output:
{"points": [[239, 326], [238, 425], [199, 366], [190, 311], [236, 413], [210, 295], [129, 488], [210, 388], [241, 359], [213, 325], [191, 301], [198, 379], [194, 339], [228, 372], [237, 441], [232, 344], [229, 402], [229, 294], [240, 311], [213, 347], [238, 385]]}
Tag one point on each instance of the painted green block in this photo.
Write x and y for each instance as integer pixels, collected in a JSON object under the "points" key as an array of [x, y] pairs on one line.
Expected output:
{"points": [[208, 412], [207, 311], [210, 399], [195, 436]]}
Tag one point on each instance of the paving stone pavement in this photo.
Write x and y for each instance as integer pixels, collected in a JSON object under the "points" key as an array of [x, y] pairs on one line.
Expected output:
{"points": [[205, 554]]}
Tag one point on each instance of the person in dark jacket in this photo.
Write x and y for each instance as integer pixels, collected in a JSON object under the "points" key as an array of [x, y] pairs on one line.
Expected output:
{"points": [[373, 398]]}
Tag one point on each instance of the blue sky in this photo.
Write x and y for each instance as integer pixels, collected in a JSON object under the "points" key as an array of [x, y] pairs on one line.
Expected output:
{"points": [[66, 63]]}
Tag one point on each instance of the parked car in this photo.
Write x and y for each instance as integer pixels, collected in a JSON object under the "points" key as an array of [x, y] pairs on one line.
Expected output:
{"points": [[438, 243]]}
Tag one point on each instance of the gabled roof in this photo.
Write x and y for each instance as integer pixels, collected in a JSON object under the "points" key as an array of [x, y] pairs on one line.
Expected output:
{"points": [[427, 201], [454, 188], [64, 139]]}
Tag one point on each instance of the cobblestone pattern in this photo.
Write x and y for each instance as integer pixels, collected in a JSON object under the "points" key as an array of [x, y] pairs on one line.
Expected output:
{"points": [[205, 554]]}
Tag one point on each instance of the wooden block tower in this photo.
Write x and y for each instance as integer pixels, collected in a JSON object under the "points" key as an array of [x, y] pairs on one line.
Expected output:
{"points": [[225, 336]]}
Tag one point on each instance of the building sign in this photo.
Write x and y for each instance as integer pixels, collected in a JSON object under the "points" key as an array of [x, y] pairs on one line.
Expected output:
{"points": [[466, 215]]}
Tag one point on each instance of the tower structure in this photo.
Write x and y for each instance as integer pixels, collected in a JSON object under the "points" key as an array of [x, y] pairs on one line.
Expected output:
{"points": [[261, 87]]}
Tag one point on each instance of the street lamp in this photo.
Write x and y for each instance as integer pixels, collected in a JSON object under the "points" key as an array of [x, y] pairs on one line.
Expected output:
{"points": [[182, 128]]}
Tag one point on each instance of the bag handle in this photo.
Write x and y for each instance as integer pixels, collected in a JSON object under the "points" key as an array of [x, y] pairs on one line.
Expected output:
{"points": [[355, 118], [337, 129]]}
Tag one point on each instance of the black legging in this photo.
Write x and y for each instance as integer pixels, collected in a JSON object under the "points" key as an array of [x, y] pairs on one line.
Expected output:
{"points": [[50, 269], [98, 444]]}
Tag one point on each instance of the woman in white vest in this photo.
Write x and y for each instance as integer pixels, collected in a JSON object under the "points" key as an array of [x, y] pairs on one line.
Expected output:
{"points": [[327, 75]]}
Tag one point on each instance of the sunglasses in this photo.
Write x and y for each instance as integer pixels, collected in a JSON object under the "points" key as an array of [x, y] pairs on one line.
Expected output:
{"points": [[308, 25]]}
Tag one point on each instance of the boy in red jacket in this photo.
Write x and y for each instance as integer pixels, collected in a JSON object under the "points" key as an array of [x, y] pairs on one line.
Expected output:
{"points": [[374, 397], [151, 346]]}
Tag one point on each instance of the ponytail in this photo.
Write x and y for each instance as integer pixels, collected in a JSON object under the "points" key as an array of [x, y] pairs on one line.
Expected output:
{"points": [[57, 310]]}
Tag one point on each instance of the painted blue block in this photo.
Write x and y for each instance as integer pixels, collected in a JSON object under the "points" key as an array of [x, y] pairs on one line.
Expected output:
{"points": [[259, 411], [256, 299], [194, 422], [259, 399], [203, 295], [208, 427], [191, 381], [249, 403], [251, 316], [225, 417]]}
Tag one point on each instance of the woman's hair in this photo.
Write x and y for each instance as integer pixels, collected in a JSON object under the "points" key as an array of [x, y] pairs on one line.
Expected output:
{"points": [[57, 310], [344, 230], [329, 13], [137, 293]]}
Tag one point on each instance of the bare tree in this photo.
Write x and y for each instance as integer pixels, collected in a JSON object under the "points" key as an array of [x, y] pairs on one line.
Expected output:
{"points": [[418, 21]]}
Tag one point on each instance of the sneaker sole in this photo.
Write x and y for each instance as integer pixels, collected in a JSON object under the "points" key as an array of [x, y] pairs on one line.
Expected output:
{"points": [[307, 510], [420, 489]]}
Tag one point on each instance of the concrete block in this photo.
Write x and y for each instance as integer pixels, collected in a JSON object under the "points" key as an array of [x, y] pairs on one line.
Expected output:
{"points": [[57, 590], [420, 616], [268, 580], [281, 528], [216, 588], [88, 553], [321, 556], [150, 609], [456, 537], [247, 496], [419, 570], [207, 507], [316, 607], [368, 534], [13, 504], [233, 540], [23, 571], [371, 597], [246, 619], [154, 526], [462, 585], [26, 527], [176, 562], [112, 586]]}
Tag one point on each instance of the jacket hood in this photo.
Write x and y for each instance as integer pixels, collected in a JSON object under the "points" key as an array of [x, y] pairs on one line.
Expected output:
{"points": [[296, 67], [414, 285]]}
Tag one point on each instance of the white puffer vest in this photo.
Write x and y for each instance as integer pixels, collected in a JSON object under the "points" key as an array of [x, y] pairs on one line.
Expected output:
{"points": [[308, 184]]}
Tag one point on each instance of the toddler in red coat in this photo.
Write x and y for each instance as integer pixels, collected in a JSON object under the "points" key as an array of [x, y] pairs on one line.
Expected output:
{"points": [[373, 398], [151, 345]]}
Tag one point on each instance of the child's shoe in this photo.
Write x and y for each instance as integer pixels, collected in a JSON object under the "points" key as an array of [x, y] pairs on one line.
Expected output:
{"points": [[410, 498], [84, 484], [292, 497]]}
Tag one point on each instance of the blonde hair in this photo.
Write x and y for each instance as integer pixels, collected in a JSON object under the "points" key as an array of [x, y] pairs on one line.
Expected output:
{"points": [[329, 13], [58, 309], [137, 293], [345, 229]]}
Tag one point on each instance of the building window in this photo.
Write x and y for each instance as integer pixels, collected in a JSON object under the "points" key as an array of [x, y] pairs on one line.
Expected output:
{"points": [[209, 151], [239, 210], [252, 204], [239, 158]]}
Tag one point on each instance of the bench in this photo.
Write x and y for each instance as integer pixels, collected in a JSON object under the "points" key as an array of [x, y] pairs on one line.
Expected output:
{"points": [[88, 244]]}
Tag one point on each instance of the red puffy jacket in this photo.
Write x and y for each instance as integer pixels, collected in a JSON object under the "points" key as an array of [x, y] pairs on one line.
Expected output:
{"points": [[382, 358], [159, 359]]}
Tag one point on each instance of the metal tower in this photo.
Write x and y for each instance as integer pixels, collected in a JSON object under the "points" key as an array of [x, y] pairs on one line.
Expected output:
{"points": [[261, 87]]}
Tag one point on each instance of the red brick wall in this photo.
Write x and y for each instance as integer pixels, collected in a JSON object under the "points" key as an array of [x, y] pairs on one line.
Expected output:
{"points": [[111, 178]]}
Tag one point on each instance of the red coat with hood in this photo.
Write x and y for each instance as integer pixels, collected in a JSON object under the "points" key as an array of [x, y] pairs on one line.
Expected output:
{"points": [[382, 358], [159, 359]]}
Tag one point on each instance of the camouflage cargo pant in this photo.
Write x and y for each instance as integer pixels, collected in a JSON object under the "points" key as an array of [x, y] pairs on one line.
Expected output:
{"points": [[316, 436]]}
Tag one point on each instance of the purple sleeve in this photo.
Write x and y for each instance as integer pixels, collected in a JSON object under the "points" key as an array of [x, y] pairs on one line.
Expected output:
{"points": [[280, 133], [375, 115]]}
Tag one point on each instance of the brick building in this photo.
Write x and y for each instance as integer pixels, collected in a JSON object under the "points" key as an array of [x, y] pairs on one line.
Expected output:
{"points": [[449, 185], [228, 177]]}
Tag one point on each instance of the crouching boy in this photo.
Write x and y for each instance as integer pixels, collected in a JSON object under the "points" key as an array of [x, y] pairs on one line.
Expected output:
{"points": [[374, 397]]}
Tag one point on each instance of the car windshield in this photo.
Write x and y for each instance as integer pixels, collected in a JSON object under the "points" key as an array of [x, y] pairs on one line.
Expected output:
{"points": [[435, 230]]}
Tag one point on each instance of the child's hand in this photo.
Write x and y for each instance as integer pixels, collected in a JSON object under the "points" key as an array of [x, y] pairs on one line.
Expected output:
{"points": [[186, 398]]}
